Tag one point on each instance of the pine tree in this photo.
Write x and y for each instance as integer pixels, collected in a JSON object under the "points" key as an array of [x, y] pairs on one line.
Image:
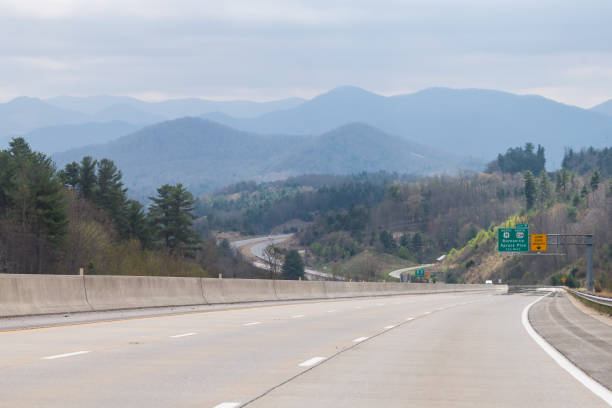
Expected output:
{"points": [[545, 193], [35, 196], [293, 267], [595, 179], [171, 216], [530, 189], [87, 177], [70, 175], [110, 194]]}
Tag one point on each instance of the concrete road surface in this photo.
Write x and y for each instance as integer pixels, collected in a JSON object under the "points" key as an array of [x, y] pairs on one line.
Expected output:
{"points": [[442, 350]]}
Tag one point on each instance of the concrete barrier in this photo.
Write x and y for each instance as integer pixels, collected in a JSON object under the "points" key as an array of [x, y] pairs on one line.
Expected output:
{"points": [[130, 292], [44, 294], [41, 294], [238, 290], [295, 290]]}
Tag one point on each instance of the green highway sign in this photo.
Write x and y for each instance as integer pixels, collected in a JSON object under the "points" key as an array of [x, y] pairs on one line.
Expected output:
{"points": [[513, 239], [419, 272]]}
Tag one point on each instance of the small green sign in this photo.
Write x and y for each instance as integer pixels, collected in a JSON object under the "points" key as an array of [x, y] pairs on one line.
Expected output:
{"points": [[419, 272], [513, 239]]}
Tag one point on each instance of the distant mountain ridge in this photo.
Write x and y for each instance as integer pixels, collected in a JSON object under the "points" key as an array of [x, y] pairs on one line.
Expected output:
{"points": [[604, 108], [474, 122], [205, 155]]}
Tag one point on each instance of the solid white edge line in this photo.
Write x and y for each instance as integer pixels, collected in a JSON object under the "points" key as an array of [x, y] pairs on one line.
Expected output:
{"points": [[227, 405], [76, 353], [388, 327], [311, 361], [252, 323], [176, 336], [360, 339], [409, 318], [595, 387]]}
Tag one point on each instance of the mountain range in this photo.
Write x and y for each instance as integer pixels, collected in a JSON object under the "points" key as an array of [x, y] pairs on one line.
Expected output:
{"points": [[205, 155], [474, 122]]}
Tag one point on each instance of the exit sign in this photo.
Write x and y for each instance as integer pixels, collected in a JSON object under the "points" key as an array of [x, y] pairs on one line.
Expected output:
{"points": [[513, 239]]}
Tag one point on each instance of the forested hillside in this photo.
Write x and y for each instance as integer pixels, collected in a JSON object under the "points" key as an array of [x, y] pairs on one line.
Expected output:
{"points": [[204, 155], [574, 200], [80, 217]]}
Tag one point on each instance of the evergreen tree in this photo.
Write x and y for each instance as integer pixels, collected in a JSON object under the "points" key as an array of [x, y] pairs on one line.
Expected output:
{"points": [[530, 189], [110, 194], [387, 240], [35, 196], [595, 179], [70, 175], [87, 177], [136, 223], [545, 193], [171, 216], [293, 267]]}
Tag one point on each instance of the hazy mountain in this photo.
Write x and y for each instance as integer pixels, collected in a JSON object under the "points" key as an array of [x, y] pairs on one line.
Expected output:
{"points": [[467, 122], [55, 139], [205, 155], [24, 114], [174, 108], [605, 108], [127, 113]]}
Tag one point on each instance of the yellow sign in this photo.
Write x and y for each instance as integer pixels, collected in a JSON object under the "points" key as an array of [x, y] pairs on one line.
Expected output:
{"points": [[538, 242], [563, 279], [427, 274]]}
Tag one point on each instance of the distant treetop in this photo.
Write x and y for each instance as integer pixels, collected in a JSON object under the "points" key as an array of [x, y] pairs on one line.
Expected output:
{"points": [[519, 160]]}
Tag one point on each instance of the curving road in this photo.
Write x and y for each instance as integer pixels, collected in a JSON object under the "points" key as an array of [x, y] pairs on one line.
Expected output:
{"points": [[442, 350], [258, 251]]}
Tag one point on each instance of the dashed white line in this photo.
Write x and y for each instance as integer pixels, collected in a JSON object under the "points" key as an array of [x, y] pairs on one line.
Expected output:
{"points": [[357, 307], [331, 311], [359, 339], [182, 335], [297, 316], [380, 304], [426, 313], [388, 327], [76, 353], [227, 405], [409, 318], [311, 362], [252, 323]]}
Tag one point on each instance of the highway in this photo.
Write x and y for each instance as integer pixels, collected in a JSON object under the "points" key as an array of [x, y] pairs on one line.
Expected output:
{"points": [[438, 350], [259, 246]]}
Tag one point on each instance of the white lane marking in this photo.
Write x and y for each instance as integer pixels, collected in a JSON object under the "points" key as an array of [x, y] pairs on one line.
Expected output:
{"points": [[311, 362], [357, 307], [595, 387], [426, 313], [227, 405], [409, 318], [388, 327], [331, 311], [252, 323], [297, 316], [441, 308], [360, 339], [380, 304], [76, 353], [176, 336]]}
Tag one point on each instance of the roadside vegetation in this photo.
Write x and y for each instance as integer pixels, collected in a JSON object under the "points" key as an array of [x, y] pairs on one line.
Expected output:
{"points": [[80, 217]]}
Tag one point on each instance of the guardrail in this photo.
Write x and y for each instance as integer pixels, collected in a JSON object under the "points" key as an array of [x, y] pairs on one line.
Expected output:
{"points": [[602, 300]]}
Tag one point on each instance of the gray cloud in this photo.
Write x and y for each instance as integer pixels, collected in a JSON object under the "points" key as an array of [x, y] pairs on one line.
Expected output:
{"points": [[271, 49]]}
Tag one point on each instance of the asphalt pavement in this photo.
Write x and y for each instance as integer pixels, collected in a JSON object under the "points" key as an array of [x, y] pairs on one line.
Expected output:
{"points": [[439, 350]]}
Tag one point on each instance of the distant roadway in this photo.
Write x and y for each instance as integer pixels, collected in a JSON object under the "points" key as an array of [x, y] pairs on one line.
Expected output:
{"points": [[260, 245], [439, 350]]}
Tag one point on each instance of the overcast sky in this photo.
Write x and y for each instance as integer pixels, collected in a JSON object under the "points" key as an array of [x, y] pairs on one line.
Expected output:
{"points": [[270, 49]]}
